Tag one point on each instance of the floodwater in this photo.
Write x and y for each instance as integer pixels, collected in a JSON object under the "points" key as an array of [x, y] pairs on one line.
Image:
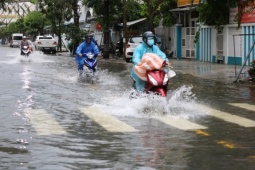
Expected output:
{"points": [[204, 123]]}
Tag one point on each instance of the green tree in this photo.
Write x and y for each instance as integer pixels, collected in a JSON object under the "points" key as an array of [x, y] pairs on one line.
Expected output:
{"points": [[216, 12], [17, 26], [57, 11], [4, 2], [133, 10], [155, 10], [108, 11], [20, 25], [34, 22]]}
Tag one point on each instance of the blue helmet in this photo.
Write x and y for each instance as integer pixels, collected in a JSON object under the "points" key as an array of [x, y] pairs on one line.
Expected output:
{"points": [[89, 36], [147, 35]]}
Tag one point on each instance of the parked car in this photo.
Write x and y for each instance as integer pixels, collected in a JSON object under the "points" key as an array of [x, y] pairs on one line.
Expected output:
{"points": [[46, 44], [16, 39], [133, 42]]}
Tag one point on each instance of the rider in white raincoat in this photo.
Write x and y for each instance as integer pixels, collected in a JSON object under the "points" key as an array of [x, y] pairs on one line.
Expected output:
{"points": [[148, 46]]}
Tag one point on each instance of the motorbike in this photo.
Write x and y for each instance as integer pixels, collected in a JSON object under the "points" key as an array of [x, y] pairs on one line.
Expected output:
{"points": [[157, 82], [117, 49], [90, 66], [25, 51]]}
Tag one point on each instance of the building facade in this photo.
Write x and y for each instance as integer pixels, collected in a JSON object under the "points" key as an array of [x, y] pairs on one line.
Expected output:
{"points": [[230, 46], [16, 10]]}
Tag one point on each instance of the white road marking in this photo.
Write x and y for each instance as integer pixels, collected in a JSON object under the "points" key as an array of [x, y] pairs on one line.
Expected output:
{"points": [[228, 117], [180, 123], [244, 106], [44, 123], [107, 121]]}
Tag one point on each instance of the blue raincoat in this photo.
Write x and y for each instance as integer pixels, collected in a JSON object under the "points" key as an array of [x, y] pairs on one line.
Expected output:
{"points": [[137, 57], [85, 48]]}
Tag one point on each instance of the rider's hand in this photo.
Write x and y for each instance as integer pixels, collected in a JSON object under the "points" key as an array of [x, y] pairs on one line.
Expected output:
{"points": [[80, 55], [168, 64]]}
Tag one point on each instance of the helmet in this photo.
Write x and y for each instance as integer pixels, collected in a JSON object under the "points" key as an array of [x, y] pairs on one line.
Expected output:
{"points": [[147, 35], [89, 36], [24, 37]]}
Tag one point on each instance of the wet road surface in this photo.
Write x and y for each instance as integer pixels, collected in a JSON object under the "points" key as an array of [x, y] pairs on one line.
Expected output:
{"points": [[52, 119]]}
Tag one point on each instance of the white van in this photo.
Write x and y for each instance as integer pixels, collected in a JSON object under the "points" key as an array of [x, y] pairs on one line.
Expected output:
{"points": [[16, 39]]}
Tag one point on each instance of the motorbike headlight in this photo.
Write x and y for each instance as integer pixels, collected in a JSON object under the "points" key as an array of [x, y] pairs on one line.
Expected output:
{"points": [[165, 79], [90, 56], [152, 80]]}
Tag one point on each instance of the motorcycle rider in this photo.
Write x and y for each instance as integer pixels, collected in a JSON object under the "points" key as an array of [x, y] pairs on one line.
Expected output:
{"points": [[147, 46], [24, 42], [87, 46]]}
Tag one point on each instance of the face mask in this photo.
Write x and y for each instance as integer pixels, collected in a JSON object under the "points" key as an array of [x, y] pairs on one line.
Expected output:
{"points": [[151, 42]]}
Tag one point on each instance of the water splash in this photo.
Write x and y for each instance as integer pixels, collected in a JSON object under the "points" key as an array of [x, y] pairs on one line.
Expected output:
{"points": [[180, 103], [35, 57]]}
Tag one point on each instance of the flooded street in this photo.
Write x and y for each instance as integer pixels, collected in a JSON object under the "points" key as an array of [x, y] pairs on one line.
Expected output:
{"points": [[52, 119]]}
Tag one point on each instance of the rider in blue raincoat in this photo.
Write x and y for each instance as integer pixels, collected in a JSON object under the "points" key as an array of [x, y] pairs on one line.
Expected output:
{"points": [[87, 46], [148, 46]]}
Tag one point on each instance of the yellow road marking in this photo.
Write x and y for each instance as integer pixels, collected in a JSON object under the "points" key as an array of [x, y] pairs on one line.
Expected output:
{"points": [[180, 123], [244, 106], [226, 144], [201, 132], [43, 122], [228, 117], [107, 121]]}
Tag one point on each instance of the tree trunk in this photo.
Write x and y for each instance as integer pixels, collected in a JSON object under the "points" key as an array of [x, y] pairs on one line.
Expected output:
{"points": [[76, 24], [107, 39], [59, 38]]}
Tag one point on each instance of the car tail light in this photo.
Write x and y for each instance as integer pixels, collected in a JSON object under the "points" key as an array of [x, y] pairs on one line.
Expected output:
{"points": [[55, 43], [128, 45], [39, 42]]}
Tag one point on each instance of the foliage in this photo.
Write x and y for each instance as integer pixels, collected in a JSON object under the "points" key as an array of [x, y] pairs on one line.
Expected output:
{"points": [[134, 10], [155, 10], [3, 32], [33, 1], [211, 13], [4, 2], [169, 19], [57, 11], [34, 22], [17, 26], [72, 33], [108, 11], [14, 27], [216, 12]]}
